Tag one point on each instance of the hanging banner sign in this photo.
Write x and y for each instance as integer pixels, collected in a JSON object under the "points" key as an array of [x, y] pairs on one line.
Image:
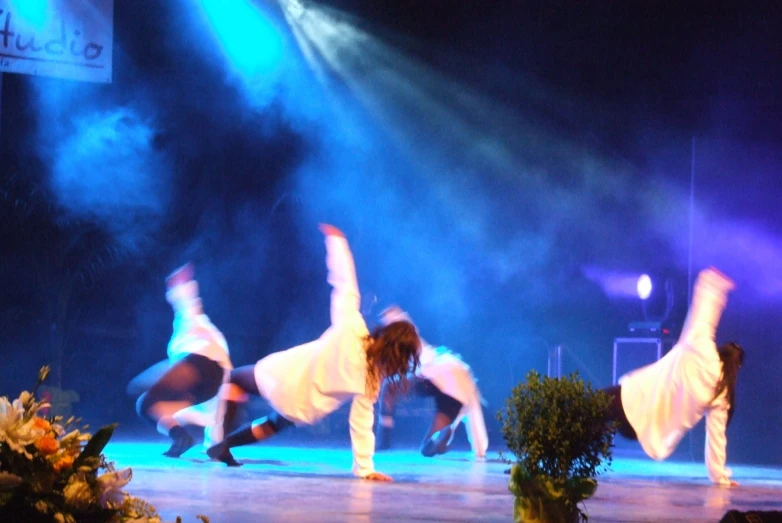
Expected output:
{"points": [[70, 39]]}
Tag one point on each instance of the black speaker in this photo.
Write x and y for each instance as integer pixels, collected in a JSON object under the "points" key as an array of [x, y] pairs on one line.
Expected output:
{"points": [[753, 516]]}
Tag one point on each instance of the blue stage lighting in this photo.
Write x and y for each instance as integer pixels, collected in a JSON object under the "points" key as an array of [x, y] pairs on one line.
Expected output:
{"points": [[294, 7], [34, 13], [249, 39], [644, 286]]}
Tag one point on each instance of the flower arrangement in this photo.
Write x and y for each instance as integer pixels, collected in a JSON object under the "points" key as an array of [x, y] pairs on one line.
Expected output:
{"points": [[52, 471]]}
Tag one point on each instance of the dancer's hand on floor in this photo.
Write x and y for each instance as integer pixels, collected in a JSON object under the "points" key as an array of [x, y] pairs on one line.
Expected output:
{"points": [[733, 483], [378, 476]]}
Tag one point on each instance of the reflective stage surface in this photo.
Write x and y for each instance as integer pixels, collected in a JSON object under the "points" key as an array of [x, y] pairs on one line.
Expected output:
{"points": [[287, 483]]}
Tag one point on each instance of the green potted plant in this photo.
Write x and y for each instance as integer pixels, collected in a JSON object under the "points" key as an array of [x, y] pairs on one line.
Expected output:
{"points": [[561, 436]]}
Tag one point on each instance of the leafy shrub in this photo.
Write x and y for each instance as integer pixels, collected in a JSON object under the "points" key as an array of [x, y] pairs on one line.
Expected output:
{"points": [[561, 436]]}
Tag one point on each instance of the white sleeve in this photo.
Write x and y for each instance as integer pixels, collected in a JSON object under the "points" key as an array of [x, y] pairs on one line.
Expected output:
{"points": [[716, 444], [476, 430], [362, 415], [345, 296]]}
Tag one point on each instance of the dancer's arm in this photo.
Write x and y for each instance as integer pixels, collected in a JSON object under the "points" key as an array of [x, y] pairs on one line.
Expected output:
{"points": [[345, 296], [476, 428], [716, 445], [362, 415]]}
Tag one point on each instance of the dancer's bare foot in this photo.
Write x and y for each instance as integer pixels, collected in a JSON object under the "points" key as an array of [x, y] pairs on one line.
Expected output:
{"points": [[718, 278], [182, 275], [330, 230]]}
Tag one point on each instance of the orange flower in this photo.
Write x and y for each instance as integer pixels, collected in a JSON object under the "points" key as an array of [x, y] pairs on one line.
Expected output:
{"points": [[63, 463], [47, 445], [40, 423]]}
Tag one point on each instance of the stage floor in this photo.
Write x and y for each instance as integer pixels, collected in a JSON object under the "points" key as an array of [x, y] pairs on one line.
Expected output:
{"points": [[293, 484]]}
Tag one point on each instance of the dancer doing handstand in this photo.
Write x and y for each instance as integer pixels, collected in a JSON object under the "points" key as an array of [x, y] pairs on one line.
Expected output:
{"points": [[198, 364], [346, 364], [659, 403]]}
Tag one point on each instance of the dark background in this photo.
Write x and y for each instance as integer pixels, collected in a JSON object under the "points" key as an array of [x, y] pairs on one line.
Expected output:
{"points": [[486, 160]]}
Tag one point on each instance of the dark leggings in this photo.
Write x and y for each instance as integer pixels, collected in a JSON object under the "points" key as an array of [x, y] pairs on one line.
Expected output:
{"points": [[244, 377], [617, 413], [193, 379], [445, 404]]}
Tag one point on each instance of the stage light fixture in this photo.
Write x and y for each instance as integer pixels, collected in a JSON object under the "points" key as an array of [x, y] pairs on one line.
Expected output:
{"points": [[644, 286]]}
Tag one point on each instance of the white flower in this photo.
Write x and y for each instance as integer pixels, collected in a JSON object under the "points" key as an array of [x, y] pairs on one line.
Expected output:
{"points": [[9, 410], [111, 484], [14, 430], [24, 398], [73, 440]]}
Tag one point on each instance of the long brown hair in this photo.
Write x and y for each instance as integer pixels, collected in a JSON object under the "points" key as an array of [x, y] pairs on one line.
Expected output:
{"points": [[732, 357], [392, 353]]}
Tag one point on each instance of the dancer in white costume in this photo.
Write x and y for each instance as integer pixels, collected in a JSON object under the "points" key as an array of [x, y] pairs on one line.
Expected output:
{"points": [[659, 403], [181, 390], [310, 381], [444, 376]]}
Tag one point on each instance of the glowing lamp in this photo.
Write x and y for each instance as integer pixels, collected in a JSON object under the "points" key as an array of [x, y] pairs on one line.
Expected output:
{"points": [[644, 286]]}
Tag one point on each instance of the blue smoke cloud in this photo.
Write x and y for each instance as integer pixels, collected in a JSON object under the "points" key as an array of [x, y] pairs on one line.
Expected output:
{"points": [[104, 163], [514, 184]]}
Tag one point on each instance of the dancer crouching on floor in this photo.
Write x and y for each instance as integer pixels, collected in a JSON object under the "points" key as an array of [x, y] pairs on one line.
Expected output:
{"points": [[306, 383], [198, 364], [659, 403], [446, 378]]}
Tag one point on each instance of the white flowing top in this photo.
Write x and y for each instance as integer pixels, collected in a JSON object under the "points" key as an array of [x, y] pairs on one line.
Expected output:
{"points": [[451, 375], [664, 400], [308, 382], [193, 332]]}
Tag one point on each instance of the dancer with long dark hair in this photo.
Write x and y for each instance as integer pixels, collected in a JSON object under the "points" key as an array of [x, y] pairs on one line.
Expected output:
{"points": [[306, 383], [659, 403]]}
